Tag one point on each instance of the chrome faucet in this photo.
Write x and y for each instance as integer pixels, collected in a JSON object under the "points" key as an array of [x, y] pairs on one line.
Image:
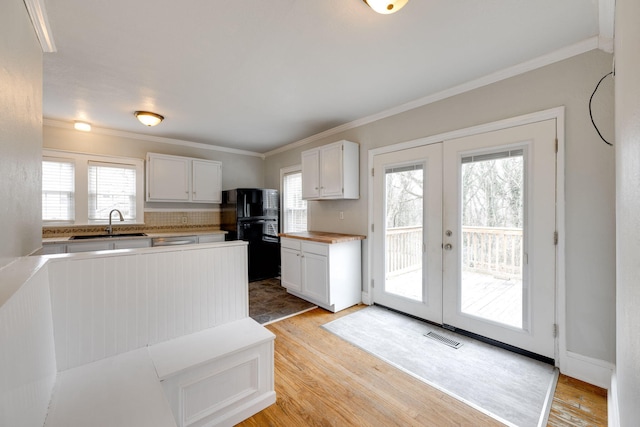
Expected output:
{"points": [[109, 229]]}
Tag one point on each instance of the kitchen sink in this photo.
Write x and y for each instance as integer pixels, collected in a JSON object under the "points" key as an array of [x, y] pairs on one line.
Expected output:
{"points": [[107, 236]]}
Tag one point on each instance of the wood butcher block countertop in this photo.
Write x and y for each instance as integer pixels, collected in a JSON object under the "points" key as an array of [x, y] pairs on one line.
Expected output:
{"points": [[323, 236]]}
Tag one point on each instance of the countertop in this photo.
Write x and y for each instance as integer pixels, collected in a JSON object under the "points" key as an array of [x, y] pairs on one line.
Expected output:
{"points": [[323, 236], [149, 235]]}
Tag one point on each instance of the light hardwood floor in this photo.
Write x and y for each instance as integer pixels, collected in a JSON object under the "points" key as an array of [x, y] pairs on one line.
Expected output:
{"points": [[321, 380]]}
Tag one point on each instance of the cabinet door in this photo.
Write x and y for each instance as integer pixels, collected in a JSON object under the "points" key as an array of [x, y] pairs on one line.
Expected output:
{"points": [[211, 238], [310, 174], [315, 277], [51, 249], [167, 178], [207, 181], [331, 171], [290, 269], [88, 246], [131, 244]]}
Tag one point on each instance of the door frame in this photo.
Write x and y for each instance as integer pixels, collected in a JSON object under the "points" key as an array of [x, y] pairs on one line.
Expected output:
{"points": [[558, 114]]}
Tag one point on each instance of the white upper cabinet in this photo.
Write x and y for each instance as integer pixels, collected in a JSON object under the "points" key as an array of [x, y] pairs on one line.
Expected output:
{"points": [[167, 178], [331, 172], [183, 179], [207, 181]]}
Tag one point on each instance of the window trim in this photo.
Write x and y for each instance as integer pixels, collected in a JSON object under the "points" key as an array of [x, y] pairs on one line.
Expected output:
{"points": [[283, 172], [81, 195]]}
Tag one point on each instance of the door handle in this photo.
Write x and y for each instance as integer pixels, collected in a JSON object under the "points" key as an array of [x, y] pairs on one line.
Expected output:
{"points": [[448, 247]]}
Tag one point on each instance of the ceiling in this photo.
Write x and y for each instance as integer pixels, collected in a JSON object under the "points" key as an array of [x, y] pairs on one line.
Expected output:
{"points": [[256, 75]]}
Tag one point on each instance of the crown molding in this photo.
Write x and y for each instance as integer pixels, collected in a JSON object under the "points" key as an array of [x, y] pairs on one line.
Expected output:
{"points": [[539, 62], [38, 14], [151, 138]]}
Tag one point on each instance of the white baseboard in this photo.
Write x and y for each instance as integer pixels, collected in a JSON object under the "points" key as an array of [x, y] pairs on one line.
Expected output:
{"points": [[593, 371], [612, 402]]}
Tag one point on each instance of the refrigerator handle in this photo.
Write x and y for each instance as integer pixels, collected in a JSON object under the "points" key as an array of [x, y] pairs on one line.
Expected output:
{"points": [[244, 206]]}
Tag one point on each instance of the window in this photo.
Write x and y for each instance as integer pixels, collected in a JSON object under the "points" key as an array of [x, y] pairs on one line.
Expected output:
{"points": [[83, 188], [294, 209], [111, 186], [58, 189]]}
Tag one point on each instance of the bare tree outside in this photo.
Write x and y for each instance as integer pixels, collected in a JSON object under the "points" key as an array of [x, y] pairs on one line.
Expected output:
{"points": [[404, 217], [492, 231]]}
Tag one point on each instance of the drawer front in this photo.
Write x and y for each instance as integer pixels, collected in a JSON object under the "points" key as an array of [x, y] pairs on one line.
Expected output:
{"points": [[290, 243], [315, 248]]}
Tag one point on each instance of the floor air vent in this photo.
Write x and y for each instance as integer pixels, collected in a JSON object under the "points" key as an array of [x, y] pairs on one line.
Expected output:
{"points": [[443, 340]]}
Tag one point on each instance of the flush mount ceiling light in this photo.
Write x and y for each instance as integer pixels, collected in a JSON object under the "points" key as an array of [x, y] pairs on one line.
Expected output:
{"points": [[83, 126], [386, 6], [148, 118]]}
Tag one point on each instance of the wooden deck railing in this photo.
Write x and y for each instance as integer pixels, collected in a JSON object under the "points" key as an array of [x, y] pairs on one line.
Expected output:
{"points": [[490, 250], [404, 249]]}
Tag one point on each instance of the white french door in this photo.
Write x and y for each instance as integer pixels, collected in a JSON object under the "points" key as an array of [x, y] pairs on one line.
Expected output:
{"points": [[466, 232], [408, 211]]}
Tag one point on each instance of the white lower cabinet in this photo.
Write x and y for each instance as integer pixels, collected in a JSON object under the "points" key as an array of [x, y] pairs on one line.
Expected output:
{"points": [[108, 244], [211, 238], [290, 267], [88, 247], [326, 274], [132, 244]]}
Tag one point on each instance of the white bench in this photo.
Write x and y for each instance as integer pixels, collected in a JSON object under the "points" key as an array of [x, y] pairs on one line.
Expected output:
{"points": [[219, 376], [215, 368]]}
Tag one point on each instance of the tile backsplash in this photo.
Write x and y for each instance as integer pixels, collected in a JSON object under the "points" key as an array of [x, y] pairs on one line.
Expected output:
{"points": [[153, 222]]}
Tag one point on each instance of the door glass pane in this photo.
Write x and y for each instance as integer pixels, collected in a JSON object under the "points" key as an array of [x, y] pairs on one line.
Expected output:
{"points": [[404, 229], [492, 236]]}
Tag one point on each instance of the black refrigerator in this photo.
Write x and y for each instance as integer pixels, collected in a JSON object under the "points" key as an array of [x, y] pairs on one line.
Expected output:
{"points": [[251, 214]]}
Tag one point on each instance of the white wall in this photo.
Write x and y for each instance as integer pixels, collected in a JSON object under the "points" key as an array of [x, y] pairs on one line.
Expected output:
{"points": [[627, 40], [238, 170], [20, 132], [590, 228]]}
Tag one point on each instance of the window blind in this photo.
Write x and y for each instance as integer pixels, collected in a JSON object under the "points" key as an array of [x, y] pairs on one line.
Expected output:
{"points": [[294, 208], [111, 186], [58, 198]]}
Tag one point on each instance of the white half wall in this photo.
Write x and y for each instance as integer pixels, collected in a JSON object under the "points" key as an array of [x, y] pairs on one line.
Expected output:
{"points": [[115, 301]]}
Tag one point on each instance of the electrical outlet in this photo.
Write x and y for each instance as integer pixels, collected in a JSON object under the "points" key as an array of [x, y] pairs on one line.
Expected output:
{"points": [[341, 215], [184, 219]]}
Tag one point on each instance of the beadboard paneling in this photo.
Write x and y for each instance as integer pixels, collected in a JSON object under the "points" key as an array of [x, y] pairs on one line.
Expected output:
{"points": [[27, 357], [105, 304]]}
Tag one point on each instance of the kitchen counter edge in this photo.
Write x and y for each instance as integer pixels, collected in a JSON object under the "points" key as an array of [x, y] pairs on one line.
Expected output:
{"points": [[150, 235], [323, 236]]}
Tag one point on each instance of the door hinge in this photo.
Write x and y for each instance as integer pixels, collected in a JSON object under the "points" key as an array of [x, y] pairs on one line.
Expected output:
{"points": [[373, 283], [373, 172], [372, 228], [555, 238], [555, 330], [556, 145]]}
